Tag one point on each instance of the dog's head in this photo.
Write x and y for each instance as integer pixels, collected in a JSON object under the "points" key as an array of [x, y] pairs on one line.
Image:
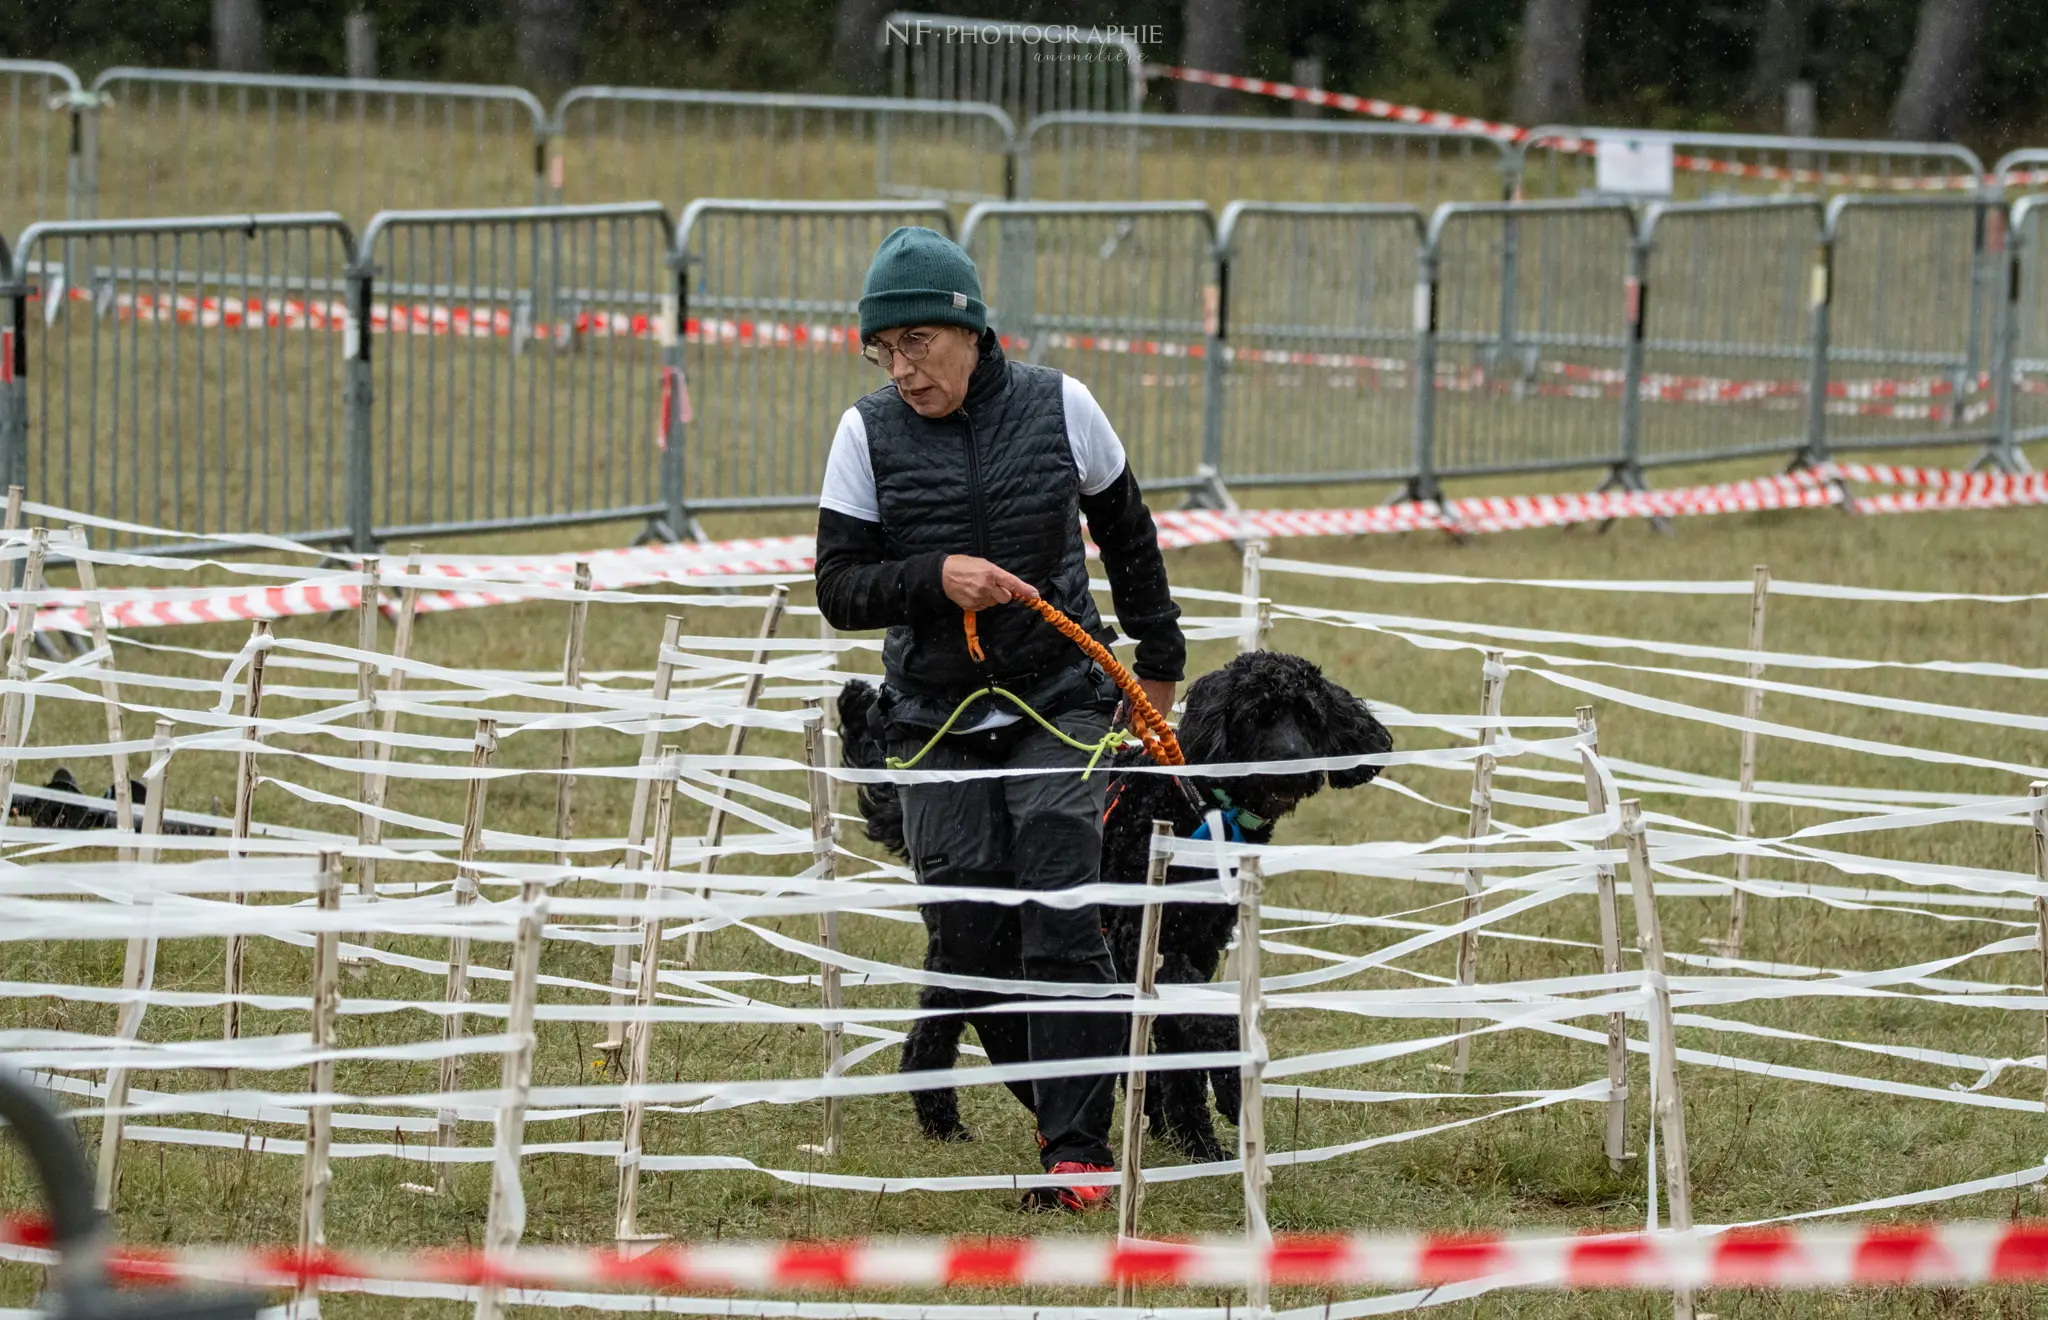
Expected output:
{"points": [[1271, 706]]}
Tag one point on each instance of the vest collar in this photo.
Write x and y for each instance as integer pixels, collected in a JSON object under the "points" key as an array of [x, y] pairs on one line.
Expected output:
{"points": [[991, 375]]}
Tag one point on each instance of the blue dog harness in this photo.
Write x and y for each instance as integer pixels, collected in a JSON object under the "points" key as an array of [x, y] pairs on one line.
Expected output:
{"points": [[1236, 819]]}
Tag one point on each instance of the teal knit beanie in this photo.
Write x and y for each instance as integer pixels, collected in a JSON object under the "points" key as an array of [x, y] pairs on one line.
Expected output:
{"points": [[921, 277]]}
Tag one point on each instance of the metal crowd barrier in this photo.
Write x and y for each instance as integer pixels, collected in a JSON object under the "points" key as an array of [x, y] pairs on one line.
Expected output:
{"points": [[688, 144], [40, 106], [460, 371], [1555, 161], [519, 364], [1121, 296], [1725, 295], [175, 142], [1317, 318], [1902, 317], [2022, 397], [1013, 65], [184, 373], [771, 341], [1102, 157]]}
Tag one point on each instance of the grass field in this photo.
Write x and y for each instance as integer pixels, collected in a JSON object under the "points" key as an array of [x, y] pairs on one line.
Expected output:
{"points": [[1761, 1146]]}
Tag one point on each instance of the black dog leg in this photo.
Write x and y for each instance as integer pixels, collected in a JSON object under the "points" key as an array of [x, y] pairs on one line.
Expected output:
{"points": [[933, 1045], [1177, 1102]]}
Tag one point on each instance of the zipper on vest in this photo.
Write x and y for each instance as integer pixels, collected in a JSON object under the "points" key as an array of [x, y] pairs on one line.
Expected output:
{"points": [[974, 495]]}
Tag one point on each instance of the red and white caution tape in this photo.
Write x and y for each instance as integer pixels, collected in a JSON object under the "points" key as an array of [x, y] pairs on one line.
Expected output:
{"points": [[1924, 490], [1870, 397], [1370, 106], [1375, 108], [1804, 1257]]}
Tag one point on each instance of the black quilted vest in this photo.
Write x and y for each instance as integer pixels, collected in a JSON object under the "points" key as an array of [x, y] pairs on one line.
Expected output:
{"points": [[996, 480]]}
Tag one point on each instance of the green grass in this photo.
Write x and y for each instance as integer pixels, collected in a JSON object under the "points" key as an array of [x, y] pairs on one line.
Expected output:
{"points": [[1761, 1146]]}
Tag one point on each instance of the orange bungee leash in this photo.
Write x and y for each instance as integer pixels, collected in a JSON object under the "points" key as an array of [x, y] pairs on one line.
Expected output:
{"points": [[1151, 727]]}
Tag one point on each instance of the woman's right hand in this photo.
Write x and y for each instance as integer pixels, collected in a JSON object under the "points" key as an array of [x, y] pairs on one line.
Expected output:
{"points": [[976, 584]]}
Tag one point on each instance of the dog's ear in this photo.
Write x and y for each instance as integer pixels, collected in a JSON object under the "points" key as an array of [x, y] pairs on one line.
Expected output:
{"points": [[1204, 731], [1349, 729]]}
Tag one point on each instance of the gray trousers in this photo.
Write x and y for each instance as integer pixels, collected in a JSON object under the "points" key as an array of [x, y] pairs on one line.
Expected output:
{"points": [[1035, 833]]}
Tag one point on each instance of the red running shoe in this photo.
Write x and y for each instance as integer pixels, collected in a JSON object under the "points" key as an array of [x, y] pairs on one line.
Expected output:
{"points": [[1074, 1200]]}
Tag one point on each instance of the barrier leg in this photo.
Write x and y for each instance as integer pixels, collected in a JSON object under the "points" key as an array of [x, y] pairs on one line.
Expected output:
{"points": [[457, 992], [642, 1032], [245, 802], [320, 1081], [636, 834], [736, 743], [1494, 674], [138, 973], [1144, 977], [1670, 1103], [505, 1222], [1752, 707], [1610, 962]]}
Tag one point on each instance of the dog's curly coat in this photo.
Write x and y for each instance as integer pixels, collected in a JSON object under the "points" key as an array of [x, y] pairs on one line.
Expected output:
{"points": [[1262, 706]]}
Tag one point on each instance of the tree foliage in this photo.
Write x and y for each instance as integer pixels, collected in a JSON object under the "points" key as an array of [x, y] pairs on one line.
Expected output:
{"points": [[1652, 64]]}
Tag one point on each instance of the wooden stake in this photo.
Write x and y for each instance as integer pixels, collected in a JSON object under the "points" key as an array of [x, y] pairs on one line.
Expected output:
{"points": [[1670, 1102], [1610, 963], [1752, 707], [1254, 607], [314, 1172], [736, 743], [1494, 677], [371, 832], [572, 678], [827, 633], [245, 800], [367, 610], [2040, 795], [138, 972], [505, 1221], [825, 859], [14, 495], [17, 669], [1251, 1035], [636, 827], [641, 1034], [458, 946], [1132, 1193], [110, 692]]}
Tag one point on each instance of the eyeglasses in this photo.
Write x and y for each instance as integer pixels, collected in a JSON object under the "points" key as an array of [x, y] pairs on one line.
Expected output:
{"points": [[912, 347]]}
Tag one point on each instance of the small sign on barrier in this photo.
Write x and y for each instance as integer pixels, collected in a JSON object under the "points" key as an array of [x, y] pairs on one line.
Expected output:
{"points": [[1632, 166]]}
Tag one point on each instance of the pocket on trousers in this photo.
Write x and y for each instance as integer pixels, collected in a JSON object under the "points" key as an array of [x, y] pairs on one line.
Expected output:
{"points": [[956, 827]]}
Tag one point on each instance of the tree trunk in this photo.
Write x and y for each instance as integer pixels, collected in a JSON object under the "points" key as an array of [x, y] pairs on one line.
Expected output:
{"points": [[547, 40], [1941, 77], [1549, 81], [238, 35], [1214, 40], [1780, 54], [858, 61]]}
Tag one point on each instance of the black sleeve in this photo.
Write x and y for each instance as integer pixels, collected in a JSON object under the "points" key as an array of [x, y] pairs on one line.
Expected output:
{"points": [[859, 590], [1123, 531]]}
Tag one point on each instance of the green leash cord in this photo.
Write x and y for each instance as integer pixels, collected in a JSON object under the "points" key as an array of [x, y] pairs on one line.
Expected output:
{"points": [[1109, 742]]}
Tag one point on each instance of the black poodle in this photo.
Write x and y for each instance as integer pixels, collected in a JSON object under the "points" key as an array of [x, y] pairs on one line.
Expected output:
{"points": [[1262, 706], [45, 813]]}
